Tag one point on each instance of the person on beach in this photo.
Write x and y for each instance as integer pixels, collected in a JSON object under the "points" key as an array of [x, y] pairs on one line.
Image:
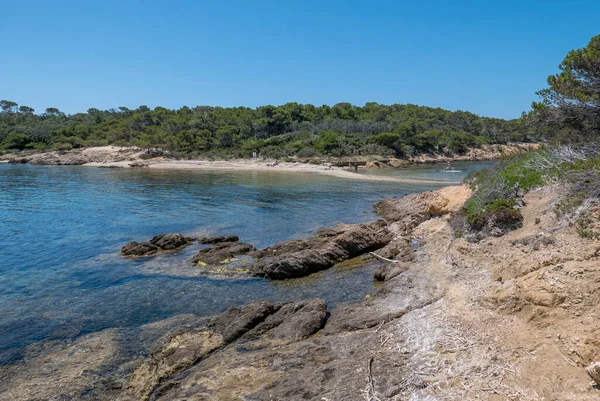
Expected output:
{"points": [[356, 167]]}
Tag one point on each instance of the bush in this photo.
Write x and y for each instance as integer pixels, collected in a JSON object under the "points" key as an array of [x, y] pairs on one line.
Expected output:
{"points": [[308, 152], [499, 213], [15, 141], [497, 189]]}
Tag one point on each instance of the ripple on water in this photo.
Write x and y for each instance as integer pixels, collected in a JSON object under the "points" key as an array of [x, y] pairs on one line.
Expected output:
{"points": [[61, 229]]}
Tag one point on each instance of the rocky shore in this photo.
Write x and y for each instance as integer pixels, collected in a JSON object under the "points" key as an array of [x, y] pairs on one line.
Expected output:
{"points": [[507, 318]]}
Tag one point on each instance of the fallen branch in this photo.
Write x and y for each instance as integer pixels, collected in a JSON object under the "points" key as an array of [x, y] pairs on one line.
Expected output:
{"points": [[370, 391], [382, 258]]}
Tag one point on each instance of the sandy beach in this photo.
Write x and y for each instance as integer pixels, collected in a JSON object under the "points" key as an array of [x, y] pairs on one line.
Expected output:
{"points": [[261, 165], [132, 157]]}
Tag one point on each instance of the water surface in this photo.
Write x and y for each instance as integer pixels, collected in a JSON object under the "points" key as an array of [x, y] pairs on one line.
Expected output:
{"points": [[61, 229]]}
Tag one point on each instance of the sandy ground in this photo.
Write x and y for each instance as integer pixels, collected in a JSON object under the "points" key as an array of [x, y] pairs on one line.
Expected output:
{"points": [[126, 157], [256, 165]]}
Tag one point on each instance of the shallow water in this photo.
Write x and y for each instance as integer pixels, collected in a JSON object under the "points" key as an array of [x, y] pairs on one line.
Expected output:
{"points": [[429, 171], [61, 229]]}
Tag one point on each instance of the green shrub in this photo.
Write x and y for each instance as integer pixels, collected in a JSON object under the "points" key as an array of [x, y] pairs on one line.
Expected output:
{"points": [[499, 213]]}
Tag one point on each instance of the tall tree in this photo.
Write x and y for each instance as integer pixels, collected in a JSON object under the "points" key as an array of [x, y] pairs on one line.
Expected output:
{"points": [[8, 106], [572, 100], [53, 111], [26, 110]]}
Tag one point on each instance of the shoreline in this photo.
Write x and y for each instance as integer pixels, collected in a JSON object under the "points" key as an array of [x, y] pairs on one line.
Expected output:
{"points": [[131, 157], [256, 166], [499, 315]]}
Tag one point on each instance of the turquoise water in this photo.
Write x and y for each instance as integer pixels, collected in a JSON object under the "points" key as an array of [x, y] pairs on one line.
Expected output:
{"points": [[61, 229]]}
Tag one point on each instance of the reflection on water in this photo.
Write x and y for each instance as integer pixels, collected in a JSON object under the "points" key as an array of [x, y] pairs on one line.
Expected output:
{"points": [[61, 229]]}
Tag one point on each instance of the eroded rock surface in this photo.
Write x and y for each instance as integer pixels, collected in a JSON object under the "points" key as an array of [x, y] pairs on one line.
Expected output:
{"points": [[159, 243], [302, 257]]}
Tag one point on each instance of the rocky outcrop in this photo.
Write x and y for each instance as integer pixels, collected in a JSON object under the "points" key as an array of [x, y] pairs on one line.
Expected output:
{"points": [[18, 160], [216, 240], [75, 157], [302, 257], [139, 249], [238, 320], [411, 210], [159, 243], [263, 321], [389, 271], [139, 164]]}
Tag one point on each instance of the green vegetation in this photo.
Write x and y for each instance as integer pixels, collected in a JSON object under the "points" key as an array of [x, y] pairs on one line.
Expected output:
{"points": [[497, 190], [568, 108], [274, 131], [566, 114]]}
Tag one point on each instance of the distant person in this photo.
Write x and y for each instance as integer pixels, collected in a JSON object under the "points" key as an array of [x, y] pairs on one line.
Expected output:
{"points": [[254, 155], [356, 167]]}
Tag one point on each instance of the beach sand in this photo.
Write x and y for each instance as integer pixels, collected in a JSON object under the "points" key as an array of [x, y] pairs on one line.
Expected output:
{"points": [[261, 165]]}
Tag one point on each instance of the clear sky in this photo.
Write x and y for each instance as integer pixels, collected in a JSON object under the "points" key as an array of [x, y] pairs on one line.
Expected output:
{"points": [[488, 56]]}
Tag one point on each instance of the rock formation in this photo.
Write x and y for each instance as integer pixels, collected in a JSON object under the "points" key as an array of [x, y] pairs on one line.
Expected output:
{"points": [[159, 243]]}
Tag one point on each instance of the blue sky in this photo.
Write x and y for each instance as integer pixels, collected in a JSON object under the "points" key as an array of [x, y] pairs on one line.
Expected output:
{"points": [[488, 57]]}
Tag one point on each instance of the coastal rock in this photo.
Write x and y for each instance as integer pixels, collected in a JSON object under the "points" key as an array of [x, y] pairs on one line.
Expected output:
{"points": [[300, 320], [159, 243], [294, 320], [300, 258], [400, 248], [262, 318], [181, 352], [222, 253], [297, 264], [139, 249], [139, 164], [411, 210], [168, 242], [404, 214], [237, 320], [18, 160], [264, 322], [389, 271], [216, 240], [59, 158]]}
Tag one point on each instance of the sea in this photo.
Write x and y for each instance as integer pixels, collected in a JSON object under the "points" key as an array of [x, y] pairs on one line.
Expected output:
{"points": [[61, 229]]}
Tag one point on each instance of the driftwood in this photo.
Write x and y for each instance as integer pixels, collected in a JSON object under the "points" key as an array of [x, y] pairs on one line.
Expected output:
{"points": [[594, 371], [382, 258]]}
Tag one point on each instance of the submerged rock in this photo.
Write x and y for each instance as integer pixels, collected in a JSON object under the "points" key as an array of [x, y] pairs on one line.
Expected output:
{"points": [[216, 240], [159, 243], [224, 259]]}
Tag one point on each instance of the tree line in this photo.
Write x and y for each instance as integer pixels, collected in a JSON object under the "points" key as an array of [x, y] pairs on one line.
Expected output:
{"points": [[292, 129]]}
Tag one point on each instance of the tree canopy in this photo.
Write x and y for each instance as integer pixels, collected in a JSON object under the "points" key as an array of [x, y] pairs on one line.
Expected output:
{"points": [[570, 107], [291, 129]]}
